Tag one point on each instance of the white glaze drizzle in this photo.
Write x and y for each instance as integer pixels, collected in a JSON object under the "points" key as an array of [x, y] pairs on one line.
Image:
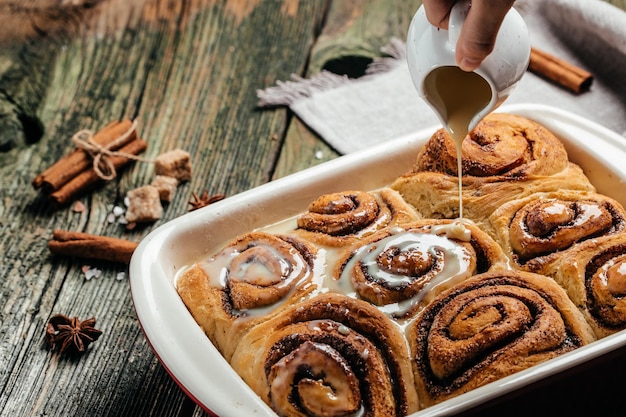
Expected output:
{"points": [[586, 212], [283, 376], [603, 272], [454, 230], [218, 271], [456, 264]]}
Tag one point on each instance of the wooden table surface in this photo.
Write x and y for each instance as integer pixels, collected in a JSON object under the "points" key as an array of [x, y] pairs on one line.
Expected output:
{"points": [[188, 72]]}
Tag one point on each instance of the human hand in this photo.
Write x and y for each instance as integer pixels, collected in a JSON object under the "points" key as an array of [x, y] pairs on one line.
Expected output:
{"points": [[479, 31]]}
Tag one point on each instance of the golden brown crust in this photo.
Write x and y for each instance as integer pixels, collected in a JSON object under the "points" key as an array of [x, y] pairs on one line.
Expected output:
{"points": [[329, 344], [504, 157], [249, 280], [501, 147], [491, 326], [594, 277], [340, 219], [537, 230], [194, 289]]}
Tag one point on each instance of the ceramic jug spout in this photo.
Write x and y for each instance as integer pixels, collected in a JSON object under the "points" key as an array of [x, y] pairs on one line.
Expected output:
{"points": [[431, 49]]}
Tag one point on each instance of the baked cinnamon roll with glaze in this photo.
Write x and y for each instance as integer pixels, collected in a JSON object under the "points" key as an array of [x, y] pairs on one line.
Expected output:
{"points": [[488, 327], [339, 219], [402, 268], [537, 230], [594, 276], [331, 355], [504, 157], [246, 282]]}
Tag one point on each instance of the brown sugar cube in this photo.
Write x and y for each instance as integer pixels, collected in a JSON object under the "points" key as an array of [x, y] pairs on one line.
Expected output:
{"points": [[166, 186], [176, 163], [144, 205]]}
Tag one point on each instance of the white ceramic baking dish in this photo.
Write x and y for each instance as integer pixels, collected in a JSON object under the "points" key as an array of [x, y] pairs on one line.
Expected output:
{"points": [[195, 363]]}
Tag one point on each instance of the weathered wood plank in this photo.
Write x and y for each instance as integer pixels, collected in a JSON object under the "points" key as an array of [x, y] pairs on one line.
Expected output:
{"points": [[352, 36], [188, 72], [31, 32], [355, 32]]}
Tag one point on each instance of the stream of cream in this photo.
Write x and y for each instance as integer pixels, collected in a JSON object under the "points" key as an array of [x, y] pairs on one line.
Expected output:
{"points": [[458, 97]]}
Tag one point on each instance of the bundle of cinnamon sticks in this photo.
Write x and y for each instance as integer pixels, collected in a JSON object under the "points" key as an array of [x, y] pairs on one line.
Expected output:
{"points": [[74, 173]]}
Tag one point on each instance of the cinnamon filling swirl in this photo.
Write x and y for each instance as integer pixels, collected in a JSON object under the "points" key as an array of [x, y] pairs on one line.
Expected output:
{"points": [[546, 226], [490, 326], [330, 356], [500, 145], [398, 268], [339, 219], [606, 286], [340, 214], [317, 378], [259, 269], [402, 266]]}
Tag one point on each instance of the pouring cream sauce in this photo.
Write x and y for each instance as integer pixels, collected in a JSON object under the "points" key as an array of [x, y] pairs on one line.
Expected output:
{"points": [[458, 96]]}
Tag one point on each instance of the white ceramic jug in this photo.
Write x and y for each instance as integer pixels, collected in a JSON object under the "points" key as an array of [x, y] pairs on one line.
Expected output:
{"points": [[430, 48]]}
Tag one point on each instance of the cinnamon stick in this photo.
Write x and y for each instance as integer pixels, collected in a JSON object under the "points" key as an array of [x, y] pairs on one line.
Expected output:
{"points": [[89, 178], [560, 71], [88, 246], [78, 160]]}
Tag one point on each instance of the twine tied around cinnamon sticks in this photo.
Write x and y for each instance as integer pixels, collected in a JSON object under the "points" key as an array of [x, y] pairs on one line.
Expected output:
{"points": [[95, 159], [100, 154]]}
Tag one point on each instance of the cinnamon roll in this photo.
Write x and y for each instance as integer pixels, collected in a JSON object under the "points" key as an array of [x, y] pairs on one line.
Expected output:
{"points": [[504, 157], [331, 355], [594, 276], [488, 327], [247, 281], [536, 230], [401, 268], [339, 219]]}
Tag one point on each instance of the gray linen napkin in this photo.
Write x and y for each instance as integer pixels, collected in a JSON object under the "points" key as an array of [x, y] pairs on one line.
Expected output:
{"points": [[353, 114]]}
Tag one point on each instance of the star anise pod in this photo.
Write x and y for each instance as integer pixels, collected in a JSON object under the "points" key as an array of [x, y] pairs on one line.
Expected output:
{"points": [[204, 200], [70, 334]]}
